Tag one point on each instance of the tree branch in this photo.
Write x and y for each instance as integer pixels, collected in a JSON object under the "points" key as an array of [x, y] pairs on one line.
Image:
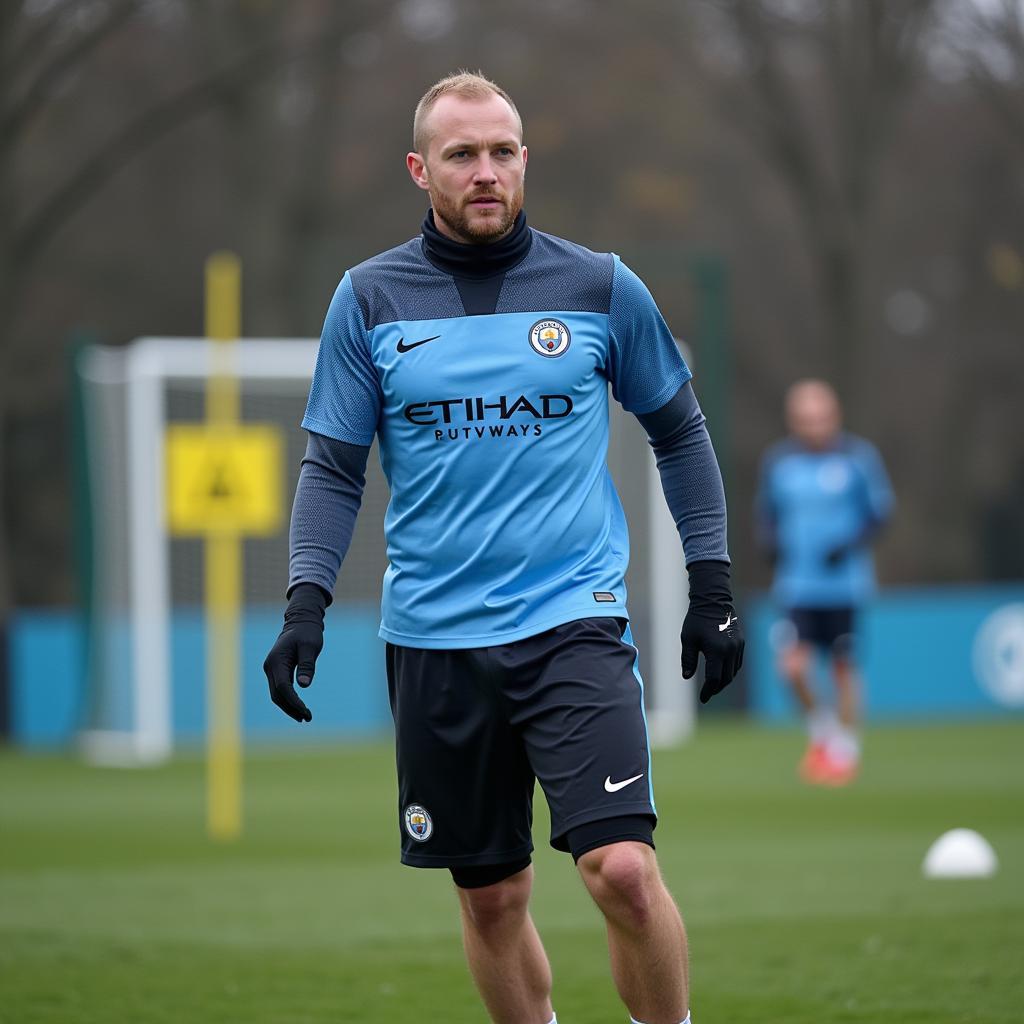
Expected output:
{"points": [[1002, 101], [778, 119], [147, 128], [21, 52], [28, 105], [1005, 29]]}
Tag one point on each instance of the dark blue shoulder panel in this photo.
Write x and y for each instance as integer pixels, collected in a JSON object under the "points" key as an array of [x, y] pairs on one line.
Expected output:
{"points": [[401, 284], [558, 274]]}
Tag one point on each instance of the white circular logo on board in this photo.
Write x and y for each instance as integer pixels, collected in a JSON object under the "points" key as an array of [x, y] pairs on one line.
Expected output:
{"points": [[999, 655], [549, 338]]}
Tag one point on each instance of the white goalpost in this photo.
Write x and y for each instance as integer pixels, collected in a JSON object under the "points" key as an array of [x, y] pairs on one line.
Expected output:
{"points": [[136, 598], [671, 712]]}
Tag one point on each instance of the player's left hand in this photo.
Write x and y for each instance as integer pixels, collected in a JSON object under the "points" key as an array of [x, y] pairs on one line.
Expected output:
{"points": [[711, 627]]}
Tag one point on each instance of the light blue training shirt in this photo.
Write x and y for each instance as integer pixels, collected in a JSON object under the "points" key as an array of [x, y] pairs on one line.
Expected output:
{"points": [[493, 431], [811, 502]]}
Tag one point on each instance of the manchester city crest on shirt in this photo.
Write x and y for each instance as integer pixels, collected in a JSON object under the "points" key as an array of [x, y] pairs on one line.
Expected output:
{"points": [[549, 338], [418, 823], [833, 476]]}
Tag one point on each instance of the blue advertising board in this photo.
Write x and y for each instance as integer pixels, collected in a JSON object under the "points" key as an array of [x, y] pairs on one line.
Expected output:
{"points": [[926, 653], [51, 702], [937, 652]]}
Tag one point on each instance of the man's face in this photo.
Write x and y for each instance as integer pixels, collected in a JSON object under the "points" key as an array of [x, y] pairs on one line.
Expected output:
{"points": [[473, 167], [812, 411]]}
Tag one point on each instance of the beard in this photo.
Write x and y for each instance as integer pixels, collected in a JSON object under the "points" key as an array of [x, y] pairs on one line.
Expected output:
{"points": [[456, 215]]}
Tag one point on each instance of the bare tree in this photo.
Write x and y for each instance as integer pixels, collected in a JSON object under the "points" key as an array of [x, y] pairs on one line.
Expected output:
{"points": [[816, 87], [45, 51], [987, 43]]}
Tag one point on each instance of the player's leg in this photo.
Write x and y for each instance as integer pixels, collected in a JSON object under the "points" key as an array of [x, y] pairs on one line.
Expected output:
{"points": [[796, 661], [848, 690], [841, 642], [465, 803], [796, 655], [503, 949], [577, 695], [844, 744], [646, 938]]}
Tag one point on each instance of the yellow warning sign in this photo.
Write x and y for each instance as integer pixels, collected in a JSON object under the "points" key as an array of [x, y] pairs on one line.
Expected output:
{"points": [[224, 479]]}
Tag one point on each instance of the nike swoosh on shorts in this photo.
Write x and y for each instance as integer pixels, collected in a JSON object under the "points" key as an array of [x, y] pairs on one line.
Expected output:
{"points": [[614, 787]]}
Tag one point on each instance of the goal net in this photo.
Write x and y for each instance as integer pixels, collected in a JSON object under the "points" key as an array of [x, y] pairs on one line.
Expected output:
{"points": [[144, 616]]}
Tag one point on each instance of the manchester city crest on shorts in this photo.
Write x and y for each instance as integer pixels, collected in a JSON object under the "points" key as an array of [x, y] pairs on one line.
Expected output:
{"points": [[549, 338], [418, 823]]}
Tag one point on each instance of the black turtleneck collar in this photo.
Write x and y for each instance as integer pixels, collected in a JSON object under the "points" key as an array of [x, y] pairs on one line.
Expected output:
{"points": [[476, 261]]}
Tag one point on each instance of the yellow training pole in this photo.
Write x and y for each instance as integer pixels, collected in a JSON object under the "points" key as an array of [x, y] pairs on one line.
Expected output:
{"points": [[223, 567]]}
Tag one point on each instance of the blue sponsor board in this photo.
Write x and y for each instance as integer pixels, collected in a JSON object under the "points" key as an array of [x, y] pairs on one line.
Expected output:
{"points": [[939, 652], [52, 703], [944, 652]]}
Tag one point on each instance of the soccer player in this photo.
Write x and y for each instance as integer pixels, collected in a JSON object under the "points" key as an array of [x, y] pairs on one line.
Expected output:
{"points": [[480, 354], [823, 496]]}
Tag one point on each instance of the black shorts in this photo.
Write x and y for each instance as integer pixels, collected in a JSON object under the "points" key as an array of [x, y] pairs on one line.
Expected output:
{"points": [[475, 727], [831, 629]]}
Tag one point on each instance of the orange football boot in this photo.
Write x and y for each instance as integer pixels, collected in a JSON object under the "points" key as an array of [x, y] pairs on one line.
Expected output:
{"points": [[813, 763], [837, 771]]}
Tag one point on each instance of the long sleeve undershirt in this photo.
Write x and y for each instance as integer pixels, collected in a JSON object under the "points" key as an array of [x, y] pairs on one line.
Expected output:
{"points": [[327, 499], [690, 476]]}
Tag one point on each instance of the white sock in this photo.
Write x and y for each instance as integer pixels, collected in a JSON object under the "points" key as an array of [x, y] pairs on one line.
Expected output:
{"points": [[822, 726], [844, 745], [633, 1020], [554, 1019]]}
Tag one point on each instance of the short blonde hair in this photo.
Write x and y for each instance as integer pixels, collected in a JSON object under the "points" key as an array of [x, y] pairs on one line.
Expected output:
{"points": [[472, 85]]}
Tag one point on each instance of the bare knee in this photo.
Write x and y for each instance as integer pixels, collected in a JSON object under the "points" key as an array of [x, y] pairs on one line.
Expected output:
{"points": [[492, 908], [623, 880], [845, 671], [794, 662]]}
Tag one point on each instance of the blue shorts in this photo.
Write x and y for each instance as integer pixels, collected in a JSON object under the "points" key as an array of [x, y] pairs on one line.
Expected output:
{"points": [[475, 728]]}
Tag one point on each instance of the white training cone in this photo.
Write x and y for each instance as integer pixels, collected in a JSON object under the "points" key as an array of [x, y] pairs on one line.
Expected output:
{"points": [[960, 853]]}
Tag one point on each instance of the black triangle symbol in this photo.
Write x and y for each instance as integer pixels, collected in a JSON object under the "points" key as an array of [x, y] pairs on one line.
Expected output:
{"points": [[220, 489]]}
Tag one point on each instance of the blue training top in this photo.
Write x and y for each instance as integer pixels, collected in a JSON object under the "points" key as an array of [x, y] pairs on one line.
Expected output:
{"points": [[812, 503], [493, 431]]}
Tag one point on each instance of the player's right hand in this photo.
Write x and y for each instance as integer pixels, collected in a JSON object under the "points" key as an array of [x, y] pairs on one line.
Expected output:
{"points": [[293, 656]]}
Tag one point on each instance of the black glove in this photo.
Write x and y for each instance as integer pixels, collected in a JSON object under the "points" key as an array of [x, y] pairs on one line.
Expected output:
{"points": [[296, 649], [712, 626], [836, 554]]}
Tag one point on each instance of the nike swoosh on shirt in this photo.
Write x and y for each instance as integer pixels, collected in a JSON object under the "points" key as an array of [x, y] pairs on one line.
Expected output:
{"points": [[614, 787], [402, 347]]}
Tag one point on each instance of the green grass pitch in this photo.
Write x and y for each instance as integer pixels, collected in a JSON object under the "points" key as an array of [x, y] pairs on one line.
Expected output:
{"points": [[804, 906]]}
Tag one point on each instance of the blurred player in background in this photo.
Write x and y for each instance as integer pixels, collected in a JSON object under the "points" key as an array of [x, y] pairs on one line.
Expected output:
{"points": [[480, 354], [823, 496]]}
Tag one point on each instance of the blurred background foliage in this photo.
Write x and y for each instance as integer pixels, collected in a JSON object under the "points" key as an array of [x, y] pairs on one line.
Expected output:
{"points": [[857, 165]]}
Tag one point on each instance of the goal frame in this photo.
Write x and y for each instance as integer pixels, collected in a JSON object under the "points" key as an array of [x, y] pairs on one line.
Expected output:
{"points": [[148, 363]]}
